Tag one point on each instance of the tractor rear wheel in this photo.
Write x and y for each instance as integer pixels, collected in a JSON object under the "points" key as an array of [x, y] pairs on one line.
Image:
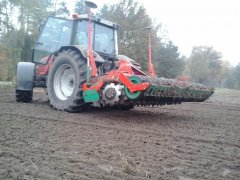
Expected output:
{"points": [[65, 80]]}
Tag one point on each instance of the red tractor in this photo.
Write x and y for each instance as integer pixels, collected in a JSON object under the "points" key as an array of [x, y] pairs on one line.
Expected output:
{"points": [[77, 61]]}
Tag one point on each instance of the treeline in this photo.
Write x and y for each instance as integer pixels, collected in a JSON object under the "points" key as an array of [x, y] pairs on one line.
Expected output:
{"points": [[205, 65], [20, 19], [19, 28]]}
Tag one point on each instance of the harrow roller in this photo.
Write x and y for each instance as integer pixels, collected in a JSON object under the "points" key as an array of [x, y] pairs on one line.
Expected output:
{"points": [[168, 91]]}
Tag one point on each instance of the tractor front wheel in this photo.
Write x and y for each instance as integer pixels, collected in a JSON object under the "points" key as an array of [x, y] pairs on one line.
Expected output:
{"points": [[25, 82], [24, 96], [65, 80]]}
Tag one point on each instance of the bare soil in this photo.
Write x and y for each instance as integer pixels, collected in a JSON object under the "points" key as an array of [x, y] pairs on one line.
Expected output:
{"points": [[185, 142]]}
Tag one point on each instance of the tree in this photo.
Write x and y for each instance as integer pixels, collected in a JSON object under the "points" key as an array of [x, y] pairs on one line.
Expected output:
{"points": [[6, 16], [80, 7], [58, 8], [204, 63], [237, 75], [224, 72], [19, 22], [5, 64], [171, 64], [232, 80], [133, 38]]}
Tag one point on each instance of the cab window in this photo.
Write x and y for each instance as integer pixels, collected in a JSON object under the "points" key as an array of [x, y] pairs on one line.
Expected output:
{"points": [[56, 33]]}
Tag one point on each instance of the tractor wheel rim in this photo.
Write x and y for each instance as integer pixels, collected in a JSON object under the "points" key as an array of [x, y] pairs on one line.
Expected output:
{"points": [[64, 82]]}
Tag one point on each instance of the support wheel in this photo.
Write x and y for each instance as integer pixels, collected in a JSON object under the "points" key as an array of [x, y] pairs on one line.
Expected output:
{"points": [[65, 80]]}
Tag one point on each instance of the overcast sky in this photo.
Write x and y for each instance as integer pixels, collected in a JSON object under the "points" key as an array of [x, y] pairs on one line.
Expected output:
{"points": [[197, 22]]}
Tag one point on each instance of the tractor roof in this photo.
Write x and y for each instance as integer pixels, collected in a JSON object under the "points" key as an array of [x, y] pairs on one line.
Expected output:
{"points": [[96, 19]]}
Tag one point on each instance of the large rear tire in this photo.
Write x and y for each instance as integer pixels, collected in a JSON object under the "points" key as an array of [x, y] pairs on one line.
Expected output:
{"points": [[65, 80]]}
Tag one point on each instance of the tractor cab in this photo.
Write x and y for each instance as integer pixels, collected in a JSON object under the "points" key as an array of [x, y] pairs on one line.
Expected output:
{"points": [[59, 32]]}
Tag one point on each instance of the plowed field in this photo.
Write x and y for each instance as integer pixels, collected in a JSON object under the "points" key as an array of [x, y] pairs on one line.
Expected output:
{"points": [[187, 141]]}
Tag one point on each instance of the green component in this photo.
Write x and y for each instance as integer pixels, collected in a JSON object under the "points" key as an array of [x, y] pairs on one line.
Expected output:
{"points": [[91, 96], [128, 93]]}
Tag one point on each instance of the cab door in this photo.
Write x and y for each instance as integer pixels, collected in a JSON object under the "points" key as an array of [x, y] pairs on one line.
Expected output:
{"points": [[56, 33]]}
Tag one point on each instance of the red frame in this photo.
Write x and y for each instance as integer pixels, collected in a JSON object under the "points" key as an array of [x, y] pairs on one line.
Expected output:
{"points": [[121, 74]]}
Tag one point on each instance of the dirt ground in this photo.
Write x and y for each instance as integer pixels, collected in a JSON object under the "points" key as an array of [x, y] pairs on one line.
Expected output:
{"points": [[185, 142]]}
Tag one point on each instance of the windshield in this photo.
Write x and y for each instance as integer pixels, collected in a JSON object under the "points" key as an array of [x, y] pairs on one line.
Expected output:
{"points": [[103, 37]]}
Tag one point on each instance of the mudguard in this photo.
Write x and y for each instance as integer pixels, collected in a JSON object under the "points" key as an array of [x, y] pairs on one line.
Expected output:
{"points": [[25, 76]]}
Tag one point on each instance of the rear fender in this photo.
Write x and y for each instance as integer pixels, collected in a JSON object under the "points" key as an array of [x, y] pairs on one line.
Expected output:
{"points": [[43, 69], [83, 51]]}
